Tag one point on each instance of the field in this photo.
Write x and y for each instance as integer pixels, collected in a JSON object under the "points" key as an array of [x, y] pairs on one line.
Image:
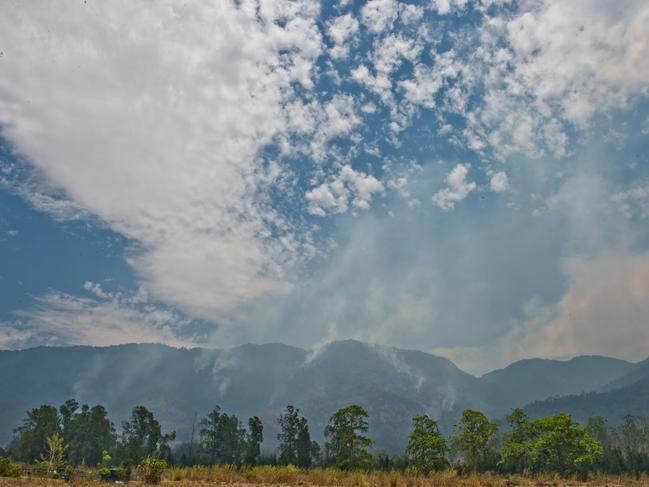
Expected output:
{"points": [[290, 477]]}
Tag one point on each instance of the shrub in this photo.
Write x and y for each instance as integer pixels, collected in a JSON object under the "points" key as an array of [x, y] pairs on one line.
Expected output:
{"points": [[8, 469], [152, 469], [123, 474]]}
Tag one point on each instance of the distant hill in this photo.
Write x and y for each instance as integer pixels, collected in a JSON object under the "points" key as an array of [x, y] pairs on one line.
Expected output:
{"points": [[531, 380], [628, 394], [177, 384]]}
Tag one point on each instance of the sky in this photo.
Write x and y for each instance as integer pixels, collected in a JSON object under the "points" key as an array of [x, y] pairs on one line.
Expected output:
{"points": [[466, 178]]}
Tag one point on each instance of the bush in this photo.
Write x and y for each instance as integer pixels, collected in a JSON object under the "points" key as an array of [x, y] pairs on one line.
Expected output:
{"points": [[8, 469], [123, 474], [152, 469]]}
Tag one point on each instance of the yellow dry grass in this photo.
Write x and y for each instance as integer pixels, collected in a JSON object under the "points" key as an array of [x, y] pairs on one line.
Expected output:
{"points": [[291, 477]]}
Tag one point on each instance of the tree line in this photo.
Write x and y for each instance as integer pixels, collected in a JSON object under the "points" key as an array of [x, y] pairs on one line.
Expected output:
{"points": [[75, 434]]}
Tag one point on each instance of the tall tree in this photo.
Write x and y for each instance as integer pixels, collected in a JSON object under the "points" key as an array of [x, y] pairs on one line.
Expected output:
{"points": [[40, 423], [475, 439], [289, 421], [347, 443], [517, 447], [222, 437], [67, 410], [295, 445], [142, 436], [307, 449], [426, 448], [209, 433], [561, 445], [254, 437], [88, 433]]}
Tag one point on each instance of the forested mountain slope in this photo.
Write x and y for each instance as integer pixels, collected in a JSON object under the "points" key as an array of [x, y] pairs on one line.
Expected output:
{"points": [[393, 384]]}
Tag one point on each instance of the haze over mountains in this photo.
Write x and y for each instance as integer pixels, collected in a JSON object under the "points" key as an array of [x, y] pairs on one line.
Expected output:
{"points": [[393, 385]]}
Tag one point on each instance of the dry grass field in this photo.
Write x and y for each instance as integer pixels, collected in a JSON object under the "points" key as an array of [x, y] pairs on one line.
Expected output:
{"points": [[290, 477]]}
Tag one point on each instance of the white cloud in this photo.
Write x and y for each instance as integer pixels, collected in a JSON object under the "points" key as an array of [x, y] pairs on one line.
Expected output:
{"points": [[632, 201], [105, 319], [427, 81], [341, 31], [499, 182], [389, 53], [458, 188], [445, 7], [379, 15], [347, 187], [584, 56], [150, 118]]}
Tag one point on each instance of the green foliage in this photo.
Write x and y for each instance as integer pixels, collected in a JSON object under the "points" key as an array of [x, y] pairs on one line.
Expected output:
{"points": [[295, 445], [426, 447], [554, 444], [516, 451], [152, 469], [54, 459], [346, 441], [475, 439], [254, 437], [561, 445], [87, 431], [223, 437], [8, 469], [142, 437], [41, 423]]}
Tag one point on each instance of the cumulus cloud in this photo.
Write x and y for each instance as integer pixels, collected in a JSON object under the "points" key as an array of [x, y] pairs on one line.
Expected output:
{"points": [[104, 318], [342, 30], [345, 188], [585, 56], [633, 201], [458, 188], [379, 15], [499, 182], [151, 118]]}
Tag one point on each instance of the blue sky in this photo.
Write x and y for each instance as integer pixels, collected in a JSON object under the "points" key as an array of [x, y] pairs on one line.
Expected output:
{"points": [[468, 178]]}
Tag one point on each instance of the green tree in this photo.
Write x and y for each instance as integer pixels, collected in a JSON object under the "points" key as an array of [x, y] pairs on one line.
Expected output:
{"points": [[54, 458], [68, 410], [87, 432], [475, 439], [516, 451], [307, 450], [222, 437], [426, 448], [209, 432], [295, 445], [41, 423], [346, 441], [561, 445], [142, 437], [254, 437]]}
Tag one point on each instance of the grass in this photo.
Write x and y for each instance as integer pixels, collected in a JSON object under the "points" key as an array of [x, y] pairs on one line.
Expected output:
{"points": [[291, 476]]}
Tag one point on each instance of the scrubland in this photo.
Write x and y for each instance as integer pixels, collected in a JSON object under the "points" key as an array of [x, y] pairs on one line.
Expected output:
{"points": [[289, 477]]}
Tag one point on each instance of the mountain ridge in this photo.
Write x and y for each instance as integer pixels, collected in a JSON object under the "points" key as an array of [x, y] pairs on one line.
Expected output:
{"points": [[260, 379]]}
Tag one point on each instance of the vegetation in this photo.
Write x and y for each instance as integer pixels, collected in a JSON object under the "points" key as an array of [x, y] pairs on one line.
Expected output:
{"points": [[152, 469], [295, 445], [81, 441], [426, 447], [8, 469], [475, 440], [347, 445]]}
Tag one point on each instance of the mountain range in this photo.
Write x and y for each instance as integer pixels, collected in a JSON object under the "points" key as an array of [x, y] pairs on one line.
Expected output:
{"points": [[394, 385]]}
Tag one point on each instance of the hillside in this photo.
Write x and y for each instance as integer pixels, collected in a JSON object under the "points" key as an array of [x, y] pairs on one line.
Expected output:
{"points": [[176, 384], [531, 380], [628, 394]]}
